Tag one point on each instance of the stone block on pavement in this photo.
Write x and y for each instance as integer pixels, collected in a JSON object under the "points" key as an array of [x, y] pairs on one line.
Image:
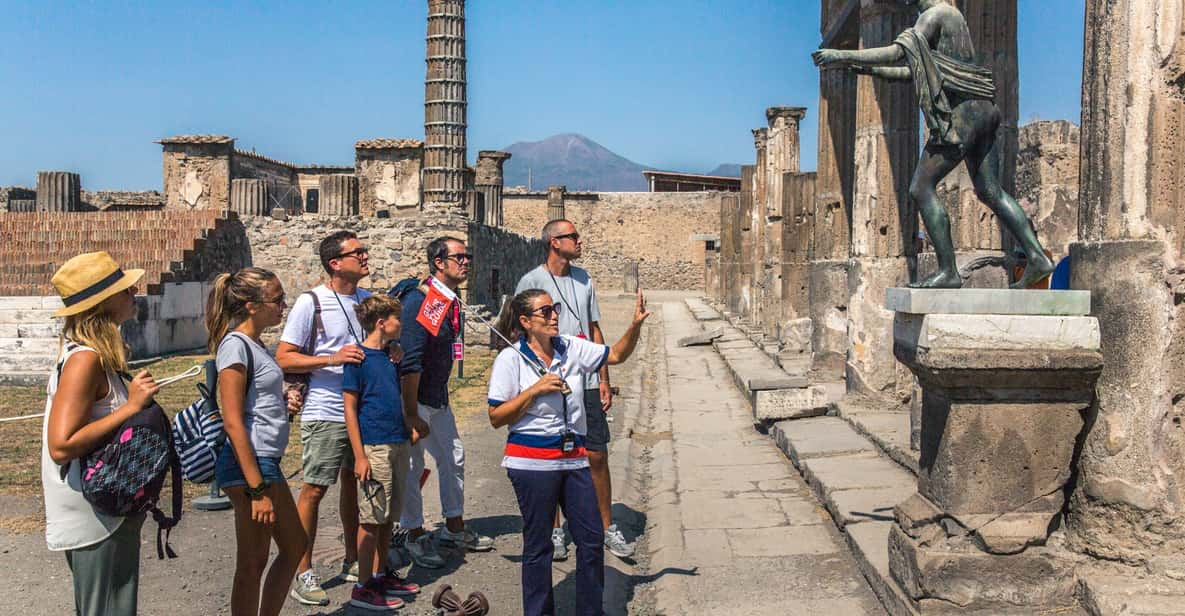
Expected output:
{"points": [[701, 339], [987, 301]]}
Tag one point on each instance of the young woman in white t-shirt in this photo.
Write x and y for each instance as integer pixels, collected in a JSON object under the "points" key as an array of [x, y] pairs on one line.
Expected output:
{"points": [[255, 415], [86, 404], [545, 457]]}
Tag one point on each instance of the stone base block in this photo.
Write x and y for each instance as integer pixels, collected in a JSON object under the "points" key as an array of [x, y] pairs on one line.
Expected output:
{"points": [[809, 401], [871, 368], [954, 577], [828, 312], [795, 335]]}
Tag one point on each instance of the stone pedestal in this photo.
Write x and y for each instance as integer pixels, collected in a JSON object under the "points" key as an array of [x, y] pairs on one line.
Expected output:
{"points": [[1007, 381]]}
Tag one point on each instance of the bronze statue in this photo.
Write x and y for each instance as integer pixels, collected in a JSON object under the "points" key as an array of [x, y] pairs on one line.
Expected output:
{"points": [[957, 99]]}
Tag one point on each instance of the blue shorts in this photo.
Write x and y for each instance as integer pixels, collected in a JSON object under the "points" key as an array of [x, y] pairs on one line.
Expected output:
{"points": [[229, 475]]}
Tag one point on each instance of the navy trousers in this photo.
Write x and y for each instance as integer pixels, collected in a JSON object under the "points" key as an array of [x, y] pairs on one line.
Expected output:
{"points": [[538, 494]]}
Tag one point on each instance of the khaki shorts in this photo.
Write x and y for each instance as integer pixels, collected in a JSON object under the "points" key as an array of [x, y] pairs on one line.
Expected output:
{"points": [[326, 449], [380, 500]]}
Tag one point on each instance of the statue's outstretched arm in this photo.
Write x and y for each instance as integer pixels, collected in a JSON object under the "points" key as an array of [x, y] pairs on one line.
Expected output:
{"points": [[876, 56], [888, 73]]}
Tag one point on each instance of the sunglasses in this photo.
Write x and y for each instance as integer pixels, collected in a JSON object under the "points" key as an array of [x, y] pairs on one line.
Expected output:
{"points": [[278, 300], [575, 237], [548, 311], [357, 253], [460, 257]]}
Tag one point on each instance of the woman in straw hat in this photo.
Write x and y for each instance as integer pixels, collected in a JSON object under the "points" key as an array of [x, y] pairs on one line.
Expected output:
{"points": [[87, 402]]}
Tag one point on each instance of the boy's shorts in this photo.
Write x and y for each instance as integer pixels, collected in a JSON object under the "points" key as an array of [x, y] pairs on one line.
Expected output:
{"points": [[326, 449], [380, 498]]}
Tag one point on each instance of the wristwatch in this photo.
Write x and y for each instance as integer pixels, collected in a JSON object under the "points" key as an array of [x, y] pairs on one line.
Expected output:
{"points": [[258, 490]]}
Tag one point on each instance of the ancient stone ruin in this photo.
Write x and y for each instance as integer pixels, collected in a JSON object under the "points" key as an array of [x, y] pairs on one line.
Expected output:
{"points": [[983, 452]]}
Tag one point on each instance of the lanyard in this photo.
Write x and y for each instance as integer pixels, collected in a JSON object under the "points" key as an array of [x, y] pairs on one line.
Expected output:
{"points": [[564, 300], [346, 316], [543, 370]]}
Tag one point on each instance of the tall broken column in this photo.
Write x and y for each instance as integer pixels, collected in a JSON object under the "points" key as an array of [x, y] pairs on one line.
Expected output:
{"points": [[743, 289], [58, 191], [831, 227], [884, 219], [1130, 490], [489, 182], [555, 202], [445, 107], [756, 254], [782, 157]]}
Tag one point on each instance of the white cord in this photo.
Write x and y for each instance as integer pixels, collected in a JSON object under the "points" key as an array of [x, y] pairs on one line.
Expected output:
{"points": [[22, 417]]}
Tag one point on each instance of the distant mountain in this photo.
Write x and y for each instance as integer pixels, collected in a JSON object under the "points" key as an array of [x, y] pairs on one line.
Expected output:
{"points": [[574, 161], [728, 170]]}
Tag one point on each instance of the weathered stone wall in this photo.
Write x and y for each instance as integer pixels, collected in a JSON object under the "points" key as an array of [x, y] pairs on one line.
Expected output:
{"points": [[389, 178], [1130, 493], [654, 230], [1047, 181], [197, 173], [502, 258]]}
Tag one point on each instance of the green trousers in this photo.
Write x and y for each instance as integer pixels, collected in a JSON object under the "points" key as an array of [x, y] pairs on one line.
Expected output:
{"points": [[107, 574]]}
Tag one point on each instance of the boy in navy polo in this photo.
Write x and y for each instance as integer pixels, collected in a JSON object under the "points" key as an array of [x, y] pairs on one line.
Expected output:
{"points": [[381, 432]]}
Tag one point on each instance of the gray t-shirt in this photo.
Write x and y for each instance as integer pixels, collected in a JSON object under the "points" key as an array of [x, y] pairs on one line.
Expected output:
{"points": [[576, 292], [265, 413]]}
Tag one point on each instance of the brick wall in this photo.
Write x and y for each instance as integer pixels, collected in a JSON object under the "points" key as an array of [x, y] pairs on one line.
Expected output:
{"points": [[654, 230]]}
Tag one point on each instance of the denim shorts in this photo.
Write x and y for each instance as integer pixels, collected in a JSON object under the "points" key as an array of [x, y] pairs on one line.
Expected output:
{"points": [[229, 475]]}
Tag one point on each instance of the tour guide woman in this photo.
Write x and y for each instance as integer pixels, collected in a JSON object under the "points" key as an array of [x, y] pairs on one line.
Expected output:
{"points": [[545, 456]]}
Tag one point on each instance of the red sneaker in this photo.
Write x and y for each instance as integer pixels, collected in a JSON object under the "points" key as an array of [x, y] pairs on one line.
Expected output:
{"points": [[394, 586], [371, 597]]}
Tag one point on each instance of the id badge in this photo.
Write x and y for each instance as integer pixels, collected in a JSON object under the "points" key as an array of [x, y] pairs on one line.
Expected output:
{"points": [[458, 350], [568, 442]]}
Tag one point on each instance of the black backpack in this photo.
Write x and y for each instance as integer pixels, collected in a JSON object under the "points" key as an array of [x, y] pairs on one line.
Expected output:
{"points": [[125, 475]]}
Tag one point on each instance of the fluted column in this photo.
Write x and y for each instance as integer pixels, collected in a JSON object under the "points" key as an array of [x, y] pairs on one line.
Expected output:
{"points": [[339, 194], [58, 191], [248, 196], [489, 183]]}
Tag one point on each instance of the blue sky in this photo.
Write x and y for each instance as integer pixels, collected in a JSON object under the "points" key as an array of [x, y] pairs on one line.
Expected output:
{"points": [[669, 84]]}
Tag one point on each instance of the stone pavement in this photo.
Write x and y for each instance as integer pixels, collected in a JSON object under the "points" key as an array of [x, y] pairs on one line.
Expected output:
{"points": [[731, 527]]}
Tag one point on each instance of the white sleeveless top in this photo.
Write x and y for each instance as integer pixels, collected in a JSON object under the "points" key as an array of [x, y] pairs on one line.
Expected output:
{"points": [[70, 521]]}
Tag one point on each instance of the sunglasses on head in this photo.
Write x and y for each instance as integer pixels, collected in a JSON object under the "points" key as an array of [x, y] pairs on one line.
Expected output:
{"points": [[548, 311]]}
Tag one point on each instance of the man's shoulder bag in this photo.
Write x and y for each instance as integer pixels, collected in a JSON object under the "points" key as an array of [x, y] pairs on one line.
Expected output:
{"points": [[299, 382]]}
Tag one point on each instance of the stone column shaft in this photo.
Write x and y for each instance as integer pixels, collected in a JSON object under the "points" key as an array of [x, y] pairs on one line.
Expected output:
{"points": [[1127, 505], [445, 105], [248, 196], [338, 195], [884, 218], [489, 182], [782, 157], [757, 225], [58, 191], [555, 202]]}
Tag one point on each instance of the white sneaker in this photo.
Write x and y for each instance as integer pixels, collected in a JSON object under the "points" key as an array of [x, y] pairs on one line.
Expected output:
{"points": [[559, 546], [308, 589], [616, 544], [466, 539]]}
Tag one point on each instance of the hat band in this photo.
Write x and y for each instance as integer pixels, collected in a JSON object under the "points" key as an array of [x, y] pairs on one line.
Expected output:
{"points": [[94, 289]]}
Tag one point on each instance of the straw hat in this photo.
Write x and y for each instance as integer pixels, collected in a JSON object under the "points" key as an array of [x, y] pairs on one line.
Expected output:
{"points": [[88, 279]]}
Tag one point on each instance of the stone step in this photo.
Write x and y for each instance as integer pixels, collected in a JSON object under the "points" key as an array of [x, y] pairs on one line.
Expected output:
{"points": [[29, 346], [31, 330], [26, 362], [701, 310], [24, 379], [887, 429], [772, 392], [859, 487], [23, 302], [27, 315]]}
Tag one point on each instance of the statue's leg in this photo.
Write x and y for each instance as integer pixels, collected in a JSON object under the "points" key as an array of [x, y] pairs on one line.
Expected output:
{"points": [[935, 164], [983, 163]]}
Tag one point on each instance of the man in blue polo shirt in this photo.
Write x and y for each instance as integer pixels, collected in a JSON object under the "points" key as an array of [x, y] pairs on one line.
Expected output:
{"points": [[426, 366]]}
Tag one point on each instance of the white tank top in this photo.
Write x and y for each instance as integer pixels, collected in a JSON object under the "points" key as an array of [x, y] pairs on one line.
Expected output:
{"points": [[70, 521]]}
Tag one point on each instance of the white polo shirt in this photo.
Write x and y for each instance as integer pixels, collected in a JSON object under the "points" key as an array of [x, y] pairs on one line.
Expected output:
{"points": [[534, 442]]}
